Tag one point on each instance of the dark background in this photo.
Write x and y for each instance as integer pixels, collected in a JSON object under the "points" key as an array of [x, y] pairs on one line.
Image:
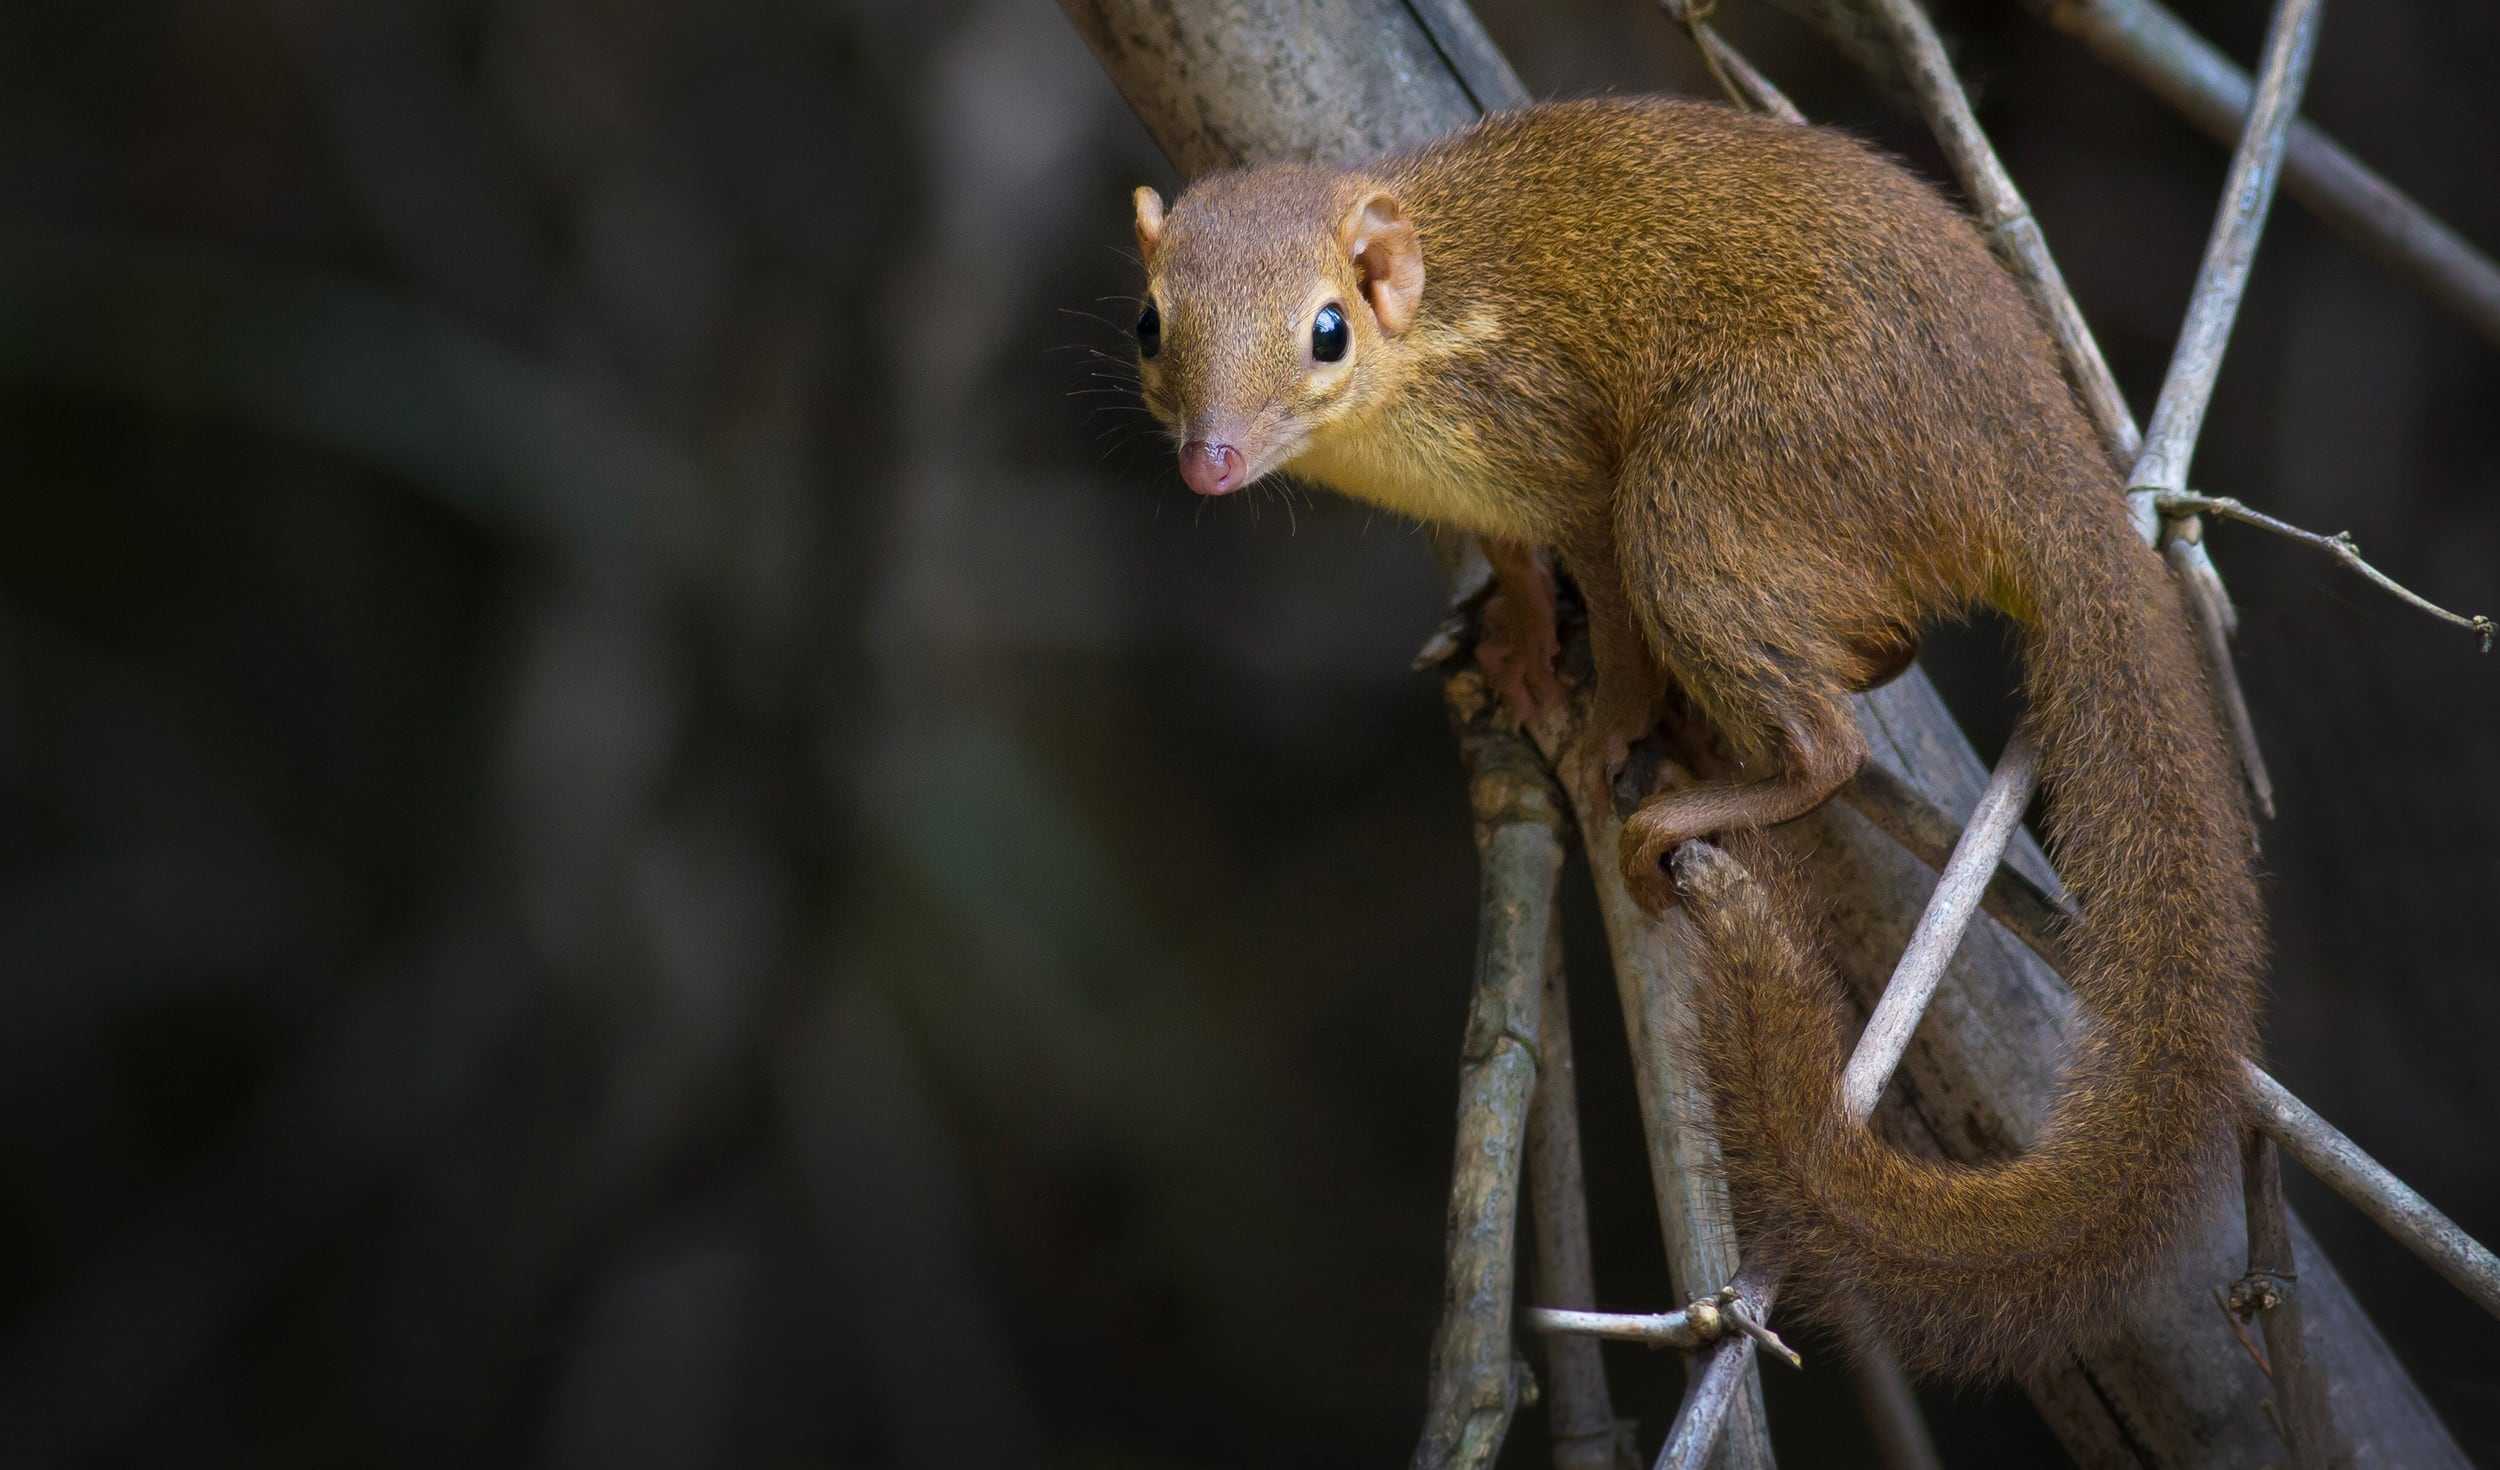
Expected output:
{"points": [[632, 839]]}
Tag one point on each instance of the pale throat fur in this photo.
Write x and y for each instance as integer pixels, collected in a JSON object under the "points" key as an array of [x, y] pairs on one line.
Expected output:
{"points": [[1406, 457]]}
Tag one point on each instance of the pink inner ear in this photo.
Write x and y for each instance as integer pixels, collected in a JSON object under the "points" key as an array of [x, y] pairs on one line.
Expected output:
{"points": [[1388, 261]]}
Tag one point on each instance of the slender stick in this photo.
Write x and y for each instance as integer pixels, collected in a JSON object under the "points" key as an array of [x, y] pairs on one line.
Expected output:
{"points": [[2152, 45], [1959, 887], [2247, 196], [2339, 1164], [1579, 1412], [1683, 1328], [1900, 811], [1474, 1387], [1740, 79], [2212, 619], [2272, 1288], [2005, 216], [2341, 546]]}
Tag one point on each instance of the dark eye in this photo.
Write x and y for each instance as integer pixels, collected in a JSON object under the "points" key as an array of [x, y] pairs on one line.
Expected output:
{"points": [[1329, 337], [1149, 331]]}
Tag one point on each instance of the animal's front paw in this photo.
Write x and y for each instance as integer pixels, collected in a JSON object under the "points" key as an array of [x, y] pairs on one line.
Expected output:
{"points": [[1518, 653], [1519, 643]]}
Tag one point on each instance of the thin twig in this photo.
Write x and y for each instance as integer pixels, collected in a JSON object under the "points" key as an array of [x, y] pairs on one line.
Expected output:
{"points": [[1740, 79], [2341, 546], [2212, 618], [2314, 1143], [2180, 66], [1579, 1412], [1900, 811], [2230, 252], [2239, 1329], [1693, 1326], [1734, 1307], [1959, 888]]}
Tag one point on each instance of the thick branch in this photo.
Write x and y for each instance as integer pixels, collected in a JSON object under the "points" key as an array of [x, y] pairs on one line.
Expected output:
{"points": [[1654, 978]]}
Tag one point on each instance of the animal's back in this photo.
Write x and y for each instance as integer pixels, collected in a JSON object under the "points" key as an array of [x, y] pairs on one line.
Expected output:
{"points": [[1754, 289]]}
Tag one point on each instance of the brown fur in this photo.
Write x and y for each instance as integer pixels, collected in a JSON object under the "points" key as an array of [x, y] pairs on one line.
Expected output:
{"points": [[1776, 408]]}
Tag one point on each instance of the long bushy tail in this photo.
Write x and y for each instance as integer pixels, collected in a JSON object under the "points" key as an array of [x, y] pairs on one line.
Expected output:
{"points": [[1981, 1271]]}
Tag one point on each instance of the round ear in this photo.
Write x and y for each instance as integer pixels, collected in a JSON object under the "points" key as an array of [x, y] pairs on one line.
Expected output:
{"points": [[1149, 220], [1381, 241]]}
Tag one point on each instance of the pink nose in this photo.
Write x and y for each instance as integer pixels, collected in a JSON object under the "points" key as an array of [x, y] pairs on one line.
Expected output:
{"points": [[1211, 469]]}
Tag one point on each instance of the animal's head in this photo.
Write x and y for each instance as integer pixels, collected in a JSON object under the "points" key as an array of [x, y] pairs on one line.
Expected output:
{"points": [[1275, 300]]}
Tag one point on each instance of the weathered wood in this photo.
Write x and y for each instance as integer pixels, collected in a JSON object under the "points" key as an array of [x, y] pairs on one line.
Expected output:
{"points": [[1579, 1411], [1475, 1382]]}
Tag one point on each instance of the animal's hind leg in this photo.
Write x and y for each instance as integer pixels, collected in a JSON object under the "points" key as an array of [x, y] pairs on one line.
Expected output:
{"points": [[1819, 749], [1729, 621]]}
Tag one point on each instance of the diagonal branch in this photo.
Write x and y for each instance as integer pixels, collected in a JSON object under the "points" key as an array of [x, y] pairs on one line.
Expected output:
{"points": [[2341, 546], [2317, 1145], [1744, 83], [2339, 1164]]}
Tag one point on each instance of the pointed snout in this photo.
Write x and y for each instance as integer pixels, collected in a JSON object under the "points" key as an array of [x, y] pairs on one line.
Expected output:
{"points": [[1211, 469]]}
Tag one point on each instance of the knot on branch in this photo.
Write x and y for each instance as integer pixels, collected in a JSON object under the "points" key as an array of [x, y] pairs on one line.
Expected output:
{"points": [[2260, 1291], [1741, 1312]]}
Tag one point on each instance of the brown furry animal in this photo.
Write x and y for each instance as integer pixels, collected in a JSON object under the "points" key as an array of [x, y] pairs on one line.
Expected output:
{"points": [[1776, 407]]}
